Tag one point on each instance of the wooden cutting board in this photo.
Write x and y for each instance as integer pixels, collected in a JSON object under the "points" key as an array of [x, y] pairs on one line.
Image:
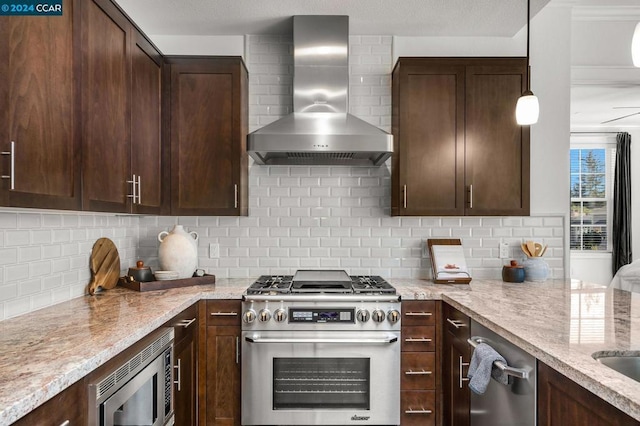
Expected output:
{"points": [[104, 263]]}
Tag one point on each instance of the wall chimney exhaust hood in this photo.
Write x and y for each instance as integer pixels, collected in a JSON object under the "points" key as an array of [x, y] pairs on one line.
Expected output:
{"points": [[320, 131]]}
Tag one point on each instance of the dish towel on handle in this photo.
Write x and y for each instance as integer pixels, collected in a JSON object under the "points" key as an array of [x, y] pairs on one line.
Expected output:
{"points": [[481, 368]]}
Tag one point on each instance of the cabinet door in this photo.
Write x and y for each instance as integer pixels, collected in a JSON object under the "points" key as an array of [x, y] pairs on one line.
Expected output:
{"points": [[186, 329], [497, 148], [146, 147], [223, 376], [37, 121], [70, 406], [105, 107], [185, 381], [429, 139], [456, 356], [208, 136], [564, 402]]}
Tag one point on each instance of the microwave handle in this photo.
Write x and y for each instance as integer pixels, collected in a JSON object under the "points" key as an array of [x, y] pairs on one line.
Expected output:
{"points": [[386, 340]]}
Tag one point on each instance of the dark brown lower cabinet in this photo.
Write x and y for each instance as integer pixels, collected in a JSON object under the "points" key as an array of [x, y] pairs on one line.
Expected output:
{"points": [[185, 362], [419, 365], [456, 354], [222, 370], [563, 402], [68, 406]]}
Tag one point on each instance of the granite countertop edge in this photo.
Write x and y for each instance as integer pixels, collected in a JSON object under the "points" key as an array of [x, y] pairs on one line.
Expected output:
{"points": [[169, 303]]}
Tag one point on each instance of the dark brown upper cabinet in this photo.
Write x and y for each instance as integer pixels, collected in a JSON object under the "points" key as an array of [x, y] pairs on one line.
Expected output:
{"points": [[457, 147], [39, 133], [207, 129], [121, 112]]}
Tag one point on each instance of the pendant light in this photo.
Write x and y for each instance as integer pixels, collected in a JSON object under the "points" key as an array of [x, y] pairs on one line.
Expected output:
{"points": [[635, 46], [528, 108]]}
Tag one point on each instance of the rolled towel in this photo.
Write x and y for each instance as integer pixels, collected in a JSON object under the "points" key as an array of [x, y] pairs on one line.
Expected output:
{"points": [[481, 368]]}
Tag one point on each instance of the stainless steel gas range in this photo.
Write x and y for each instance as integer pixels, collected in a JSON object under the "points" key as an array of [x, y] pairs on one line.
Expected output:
{"points": [[321, 348]]}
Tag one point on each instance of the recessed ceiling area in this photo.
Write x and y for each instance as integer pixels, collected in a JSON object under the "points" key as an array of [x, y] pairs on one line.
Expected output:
{"points": [[499, 18], [605, 105]]}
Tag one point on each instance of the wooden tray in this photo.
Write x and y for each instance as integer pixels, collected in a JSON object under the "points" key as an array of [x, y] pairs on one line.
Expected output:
{"points": [[165, 284]]}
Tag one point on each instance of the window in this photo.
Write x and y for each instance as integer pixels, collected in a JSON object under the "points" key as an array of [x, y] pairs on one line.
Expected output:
{"points": [[592, 168]]}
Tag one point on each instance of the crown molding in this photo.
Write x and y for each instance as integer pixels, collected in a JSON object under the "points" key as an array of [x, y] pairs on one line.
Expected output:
{"points": [[606, 13]]}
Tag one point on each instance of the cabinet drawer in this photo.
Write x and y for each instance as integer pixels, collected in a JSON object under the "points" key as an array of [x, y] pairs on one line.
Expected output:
{"points": [[455, 322], [223, 312], [418, 408], [185, 322], [418, 371], [418, 339], [419, 312]]}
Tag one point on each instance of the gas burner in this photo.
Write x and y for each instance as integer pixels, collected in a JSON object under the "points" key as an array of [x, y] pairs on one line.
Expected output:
{"points": [[368, 284], [271, 284]]}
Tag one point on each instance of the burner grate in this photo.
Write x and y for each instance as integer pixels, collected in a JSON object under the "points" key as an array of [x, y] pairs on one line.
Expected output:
{"points": [[282, 284]]}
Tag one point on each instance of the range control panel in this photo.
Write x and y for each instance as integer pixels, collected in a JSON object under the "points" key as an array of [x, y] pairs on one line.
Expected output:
{"points": [[321, 315]]}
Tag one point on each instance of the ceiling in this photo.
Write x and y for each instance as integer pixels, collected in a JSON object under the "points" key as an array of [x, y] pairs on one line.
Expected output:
{"points": [[593, 105], [590, 104], [502, 18]]}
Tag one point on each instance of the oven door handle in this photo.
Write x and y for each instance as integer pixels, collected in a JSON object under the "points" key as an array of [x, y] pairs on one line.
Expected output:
{"points": [[385, 341]]}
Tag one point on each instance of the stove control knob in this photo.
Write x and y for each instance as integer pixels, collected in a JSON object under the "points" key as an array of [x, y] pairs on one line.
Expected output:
{"points": [[249, 316], [280, 315], [393, 316], [264, 315], [363, 315], [378, 315]]}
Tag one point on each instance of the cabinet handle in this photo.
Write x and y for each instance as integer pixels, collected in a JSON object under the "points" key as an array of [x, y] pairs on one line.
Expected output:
{"points": [[133, 182], [224, 314], [417, 339], [185, 323], [460, 365], [418, 314], [471, 196], [417, 373], [65, 423], [139, 189], [456, 323], [12, 171], [420, 411], [178, 367], [404, 196], [235, 196], [237, 349]]}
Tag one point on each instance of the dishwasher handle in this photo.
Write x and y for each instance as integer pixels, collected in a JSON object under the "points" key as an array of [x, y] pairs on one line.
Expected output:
{"points": [[520, 373]]}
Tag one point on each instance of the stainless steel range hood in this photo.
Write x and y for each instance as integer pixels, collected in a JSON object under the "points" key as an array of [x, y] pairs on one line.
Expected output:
{"points": [[320, 130]]}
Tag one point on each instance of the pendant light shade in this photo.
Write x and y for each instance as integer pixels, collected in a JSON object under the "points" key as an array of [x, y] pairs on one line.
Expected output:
{"points": [[528, 107], [635, 46]]}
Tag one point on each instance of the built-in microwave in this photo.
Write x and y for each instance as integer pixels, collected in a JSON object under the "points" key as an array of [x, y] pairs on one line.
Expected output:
{"points": [[140, 391]]}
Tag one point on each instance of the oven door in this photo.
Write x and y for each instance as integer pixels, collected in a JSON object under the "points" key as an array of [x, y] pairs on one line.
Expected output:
{"points": [[320, 378]]}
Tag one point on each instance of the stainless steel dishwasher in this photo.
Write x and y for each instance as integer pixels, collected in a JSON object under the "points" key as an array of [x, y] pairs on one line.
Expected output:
{"points": [[507, 405]]}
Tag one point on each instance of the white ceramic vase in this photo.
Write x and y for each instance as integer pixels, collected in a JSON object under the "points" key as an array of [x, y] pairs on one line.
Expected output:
{"points": [[178, 251]]}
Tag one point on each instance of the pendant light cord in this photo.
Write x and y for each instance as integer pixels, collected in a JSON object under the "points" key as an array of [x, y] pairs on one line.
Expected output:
{"points": [[528, 29]]}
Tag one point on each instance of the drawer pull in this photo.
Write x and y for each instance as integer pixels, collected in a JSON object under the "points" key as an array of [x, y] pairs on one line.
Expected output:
{"points": [[417, 373], [421, 411], [418, 314], [185, 323], [224, 314], [456, 323], [461, 375], [65, 423], [178, 369], [418, 339]]}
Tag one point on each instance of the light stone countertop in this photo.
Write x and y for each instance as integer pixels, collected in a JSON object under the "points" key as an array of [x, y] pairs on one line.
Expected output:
{"points": [[561, 323]]}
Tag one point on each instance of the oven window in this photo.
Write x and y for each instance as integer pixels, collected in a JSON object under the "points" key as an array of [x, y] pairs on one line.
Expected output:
{"points": [[302, 383]]}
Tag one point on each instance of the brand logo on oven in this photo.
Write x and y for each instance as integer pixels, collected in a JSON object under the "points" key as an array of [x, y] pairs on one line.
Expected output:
{"points": [[357, 417]]}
